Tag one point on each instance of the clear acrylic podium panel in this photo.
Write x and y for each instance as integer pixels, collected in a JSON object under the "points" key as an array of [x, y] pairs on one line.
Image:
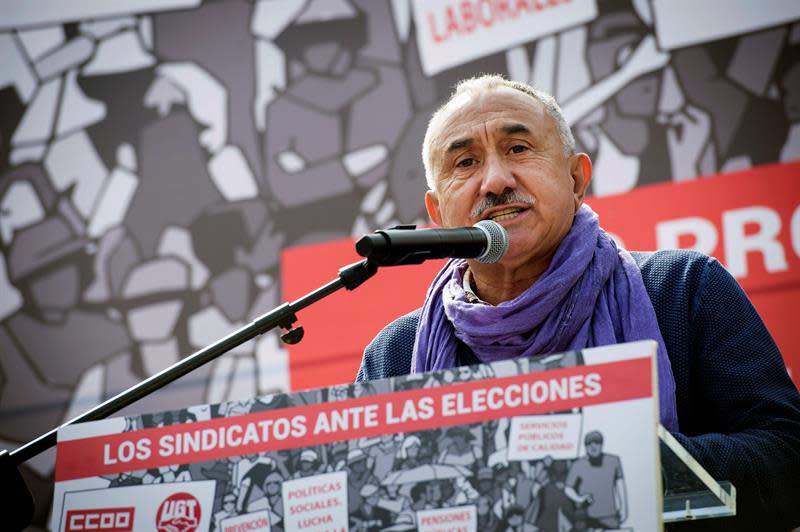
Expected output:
{"points": [[690, 493]]}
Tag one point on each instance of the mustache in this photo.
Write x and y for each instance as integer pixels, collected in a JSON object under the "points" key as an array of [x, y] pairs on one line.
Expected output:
{"points": [[505, 197]]}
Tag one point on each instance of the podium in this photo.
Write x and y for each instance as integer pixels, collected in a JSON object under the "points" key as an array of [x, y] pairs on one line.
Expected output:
{"points": [[689, 491], [569, 440]]}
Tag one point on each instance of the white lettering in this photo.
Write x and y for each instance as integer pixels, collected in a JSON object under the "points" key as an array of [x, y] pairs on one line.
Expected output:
{"points": [[738, 244], [592, 383], [426, 408], [322, 426], [143, 450], [107, 459], [668, 234], [126, 452]]}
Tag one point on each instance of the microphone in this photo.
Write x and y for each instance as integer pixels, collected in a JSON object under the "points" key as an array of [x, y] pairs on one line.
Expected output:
{"points": [[486, 242]]}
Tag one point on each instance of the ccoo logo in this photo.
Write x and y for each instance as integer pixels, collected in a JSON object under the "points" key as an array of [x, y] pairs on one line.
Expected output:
{"points": [[100, 519], [180, 512]]}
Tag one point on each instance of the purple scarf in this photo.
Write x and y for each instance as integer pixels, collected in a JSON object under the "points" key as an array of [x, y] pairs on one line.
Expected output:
{"points": [[592, 294]]}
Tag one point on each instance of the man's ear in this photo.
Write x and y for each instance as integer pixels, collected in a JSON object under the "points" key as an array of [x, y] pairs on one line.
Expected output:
{"points": [[432, 206], [581, 172]]}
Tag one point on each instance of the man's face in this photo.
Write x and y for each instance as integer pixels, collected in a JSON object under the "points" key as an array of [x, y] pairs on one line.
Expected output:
{"points": [[613, 38], [359, 467], [434, 492], [594, 449], [413, 451], [272, 484], [503, 141]]}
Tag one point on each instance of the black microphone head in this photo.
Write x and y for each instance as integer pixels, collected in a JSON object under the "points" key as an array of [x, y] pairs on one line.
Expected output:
{"points": [[497, 241]]}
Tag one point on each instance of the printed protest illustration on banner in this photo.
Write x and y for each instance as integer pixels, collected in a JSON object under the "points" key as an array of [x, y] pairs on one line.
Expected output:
{"points": [[450, 33], [462, 449]]}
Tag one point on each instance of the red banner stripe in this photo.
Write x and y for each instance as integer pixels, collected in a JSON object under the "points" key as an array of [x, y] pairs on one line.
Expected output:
{"points": [[369, 416]]}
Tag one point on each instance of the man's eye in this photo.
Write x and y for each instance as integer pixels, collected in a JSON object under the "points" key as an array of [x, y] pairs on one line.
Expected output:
{"points": [[465, 163], [518, 148]]}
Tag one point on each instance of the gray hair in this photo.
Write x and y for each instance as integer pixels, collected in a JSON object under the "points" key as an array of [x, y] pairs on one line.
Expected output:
{"points": [[488, 82]]}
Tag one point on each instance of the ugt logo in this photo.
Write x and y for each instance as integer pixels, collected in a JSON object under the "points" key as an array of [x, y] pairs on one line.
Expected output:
{"points": [[180, 512]]}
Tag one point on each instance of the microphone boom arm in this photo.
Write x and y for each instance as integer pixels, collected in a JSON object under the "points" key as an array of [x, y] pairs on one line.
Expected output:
{"points": [[17, 507]]}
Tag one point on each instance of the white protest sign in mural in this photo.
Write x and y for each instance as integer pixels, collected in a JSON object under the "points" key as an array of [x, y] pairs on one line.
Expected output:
{"points": [[682, 23], [253, 521], [450, 33], [457, 519], [534, 437], [316, 503]]}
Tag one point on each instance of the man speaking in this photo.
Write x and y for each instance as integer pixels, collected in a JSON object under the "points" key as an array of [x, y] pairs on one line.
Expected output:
{"points": [[500, 150]]}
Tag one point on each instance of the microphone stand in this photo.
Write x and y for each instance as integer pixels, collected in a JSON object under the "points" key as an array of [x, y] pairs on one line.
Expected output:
{"points": [[17, 504]]}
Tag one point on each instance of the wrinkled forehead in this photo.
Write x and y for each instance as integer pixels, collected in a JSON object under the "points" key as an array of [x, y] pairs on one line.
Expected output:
{"points": [[471, 109]]}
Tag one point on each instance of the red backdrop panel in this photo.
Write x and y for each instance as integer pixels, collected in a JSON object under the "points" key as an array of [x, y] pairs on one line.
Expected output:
{"points": [[752, 218]]}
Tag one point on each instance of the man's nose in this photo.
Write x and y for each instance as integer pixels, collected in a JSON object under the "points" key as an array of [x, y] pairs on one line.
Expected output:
{"points": [[498, 177]]}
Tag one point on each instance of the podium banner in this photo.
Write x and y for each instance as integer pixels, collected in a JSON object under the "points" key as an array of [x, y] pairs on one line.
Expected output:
{"points": [[563, 439]]}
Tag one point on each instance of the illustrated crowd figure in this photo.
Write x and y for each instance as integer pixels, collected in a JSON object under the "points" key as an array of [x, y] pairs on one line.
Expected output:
{"points": [[150, 178]]}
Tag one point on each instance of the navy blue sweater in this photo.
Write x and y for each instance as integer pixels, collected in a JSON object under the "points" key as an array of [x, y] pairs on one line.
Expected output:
{"points": [[738, 410]]}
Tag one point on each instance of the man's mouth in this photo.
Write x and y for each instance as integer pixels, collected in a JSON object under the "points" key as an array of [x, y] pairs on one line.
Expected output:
{"points": [[505, 214]]}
